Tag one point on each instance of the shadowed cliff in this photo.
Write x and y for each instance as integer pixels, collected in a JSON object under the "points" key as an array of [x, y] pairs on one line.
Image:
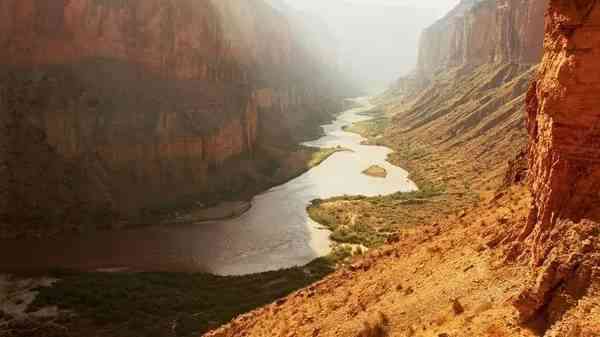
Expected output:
{"points": [[120, 109]]}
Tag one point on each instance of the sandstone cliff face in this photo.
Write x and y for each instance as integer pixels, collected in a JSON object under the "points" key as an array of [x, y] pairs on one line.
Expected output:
{"points": [[468, 91], [439, 39], [484, 31], [564, 161], [119, 107], [563, 116]]}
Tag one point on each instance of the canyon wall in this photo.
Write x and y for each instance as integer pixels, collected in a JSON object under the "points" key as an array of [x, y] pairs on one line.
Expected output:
{"points": [[468, 91], [564, 116], [563, 106], [477, 32], [116, 109]]}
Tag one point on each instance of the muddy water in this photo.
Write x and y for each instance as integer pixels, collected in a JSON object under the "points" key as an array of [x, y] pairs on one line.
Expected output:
{"points": [[275, 233]]}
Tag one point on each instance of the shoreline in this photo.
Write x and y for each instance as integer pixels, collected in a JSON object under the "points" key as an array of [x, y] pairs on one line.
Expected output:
{"points": [[229, 210], [222, 211], [75, 289]]}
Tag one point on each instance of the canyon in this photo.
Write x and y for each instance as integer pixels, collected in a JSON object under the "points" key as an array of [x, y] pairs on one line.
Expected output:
{"points": [[521, 259], [115, 111], [468, 91], [275, 233], [497, 126]]}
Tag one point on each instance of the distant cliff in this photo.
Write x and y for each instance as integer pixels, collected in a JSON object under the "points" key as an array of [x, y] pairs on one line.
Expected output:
{"points": [[484, 31], [467, 93], [114, 109]]}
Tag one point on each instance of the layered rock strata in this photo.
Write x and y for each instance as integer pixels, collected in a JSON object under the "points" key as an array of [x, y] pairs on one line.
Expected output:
{"points": [[115, 108], [477, 32], [564, 162], [468, 92]]}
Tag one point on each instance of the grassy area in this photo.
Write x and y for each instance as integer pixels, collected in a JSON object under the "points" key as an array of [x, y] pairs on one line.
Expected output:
{"points": [[370, 221], [168, 304], [319, 155], [371, 128], [355, 233]]}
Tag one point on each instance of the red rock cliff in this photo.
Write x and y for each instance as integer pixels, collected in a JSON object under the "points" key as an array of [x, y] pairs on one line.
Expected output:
{"points": [[564, 162], [564, 114], [479, 32], [468, 91], [117, 107]]}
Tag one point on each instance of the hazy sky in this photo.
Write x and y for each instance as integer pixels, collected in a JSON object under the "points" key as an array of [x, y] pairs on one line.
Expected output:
{"points": [[441, 6], [378, 39]]}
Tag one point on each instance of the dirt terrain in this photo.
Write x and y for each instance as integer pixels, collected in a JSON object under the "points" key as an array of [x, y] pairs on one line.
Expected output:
{"points": [[451, 278]]}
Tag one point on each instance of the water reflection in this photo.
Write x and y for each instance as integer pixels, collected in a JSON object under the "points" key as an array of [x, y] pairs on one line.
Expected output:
{"points": [[275, 233]]}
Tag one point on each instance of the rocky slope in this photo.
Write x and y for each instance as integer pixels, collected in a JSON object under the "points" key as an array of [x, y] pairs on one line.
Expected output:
{"points": [[467, 94], [523, 262], [114, 109]]}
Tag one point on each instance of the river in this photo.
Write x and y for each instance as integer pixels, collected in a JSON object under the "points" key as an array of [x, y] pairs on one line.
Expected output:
{"points": [[275, 233]]}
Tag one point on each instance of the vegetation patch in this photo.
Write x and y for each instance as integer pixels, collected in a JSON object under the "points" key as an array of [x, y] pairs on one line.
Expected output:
{"points": [[370, 221], [371, 128], [319, 155], [168, 304], [344, 232]]}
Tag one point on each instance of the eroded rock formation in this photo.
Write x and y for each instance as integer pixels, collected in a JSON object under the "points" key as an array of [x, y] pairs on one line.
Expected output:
{"points": [[478, 32], [117, 108], [564, 116], [564, 161]]}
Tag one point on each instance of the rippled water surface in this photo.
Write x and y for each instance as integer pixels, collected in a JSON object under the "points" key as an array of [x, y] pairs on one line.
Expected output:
{"points": [[275, 233]]}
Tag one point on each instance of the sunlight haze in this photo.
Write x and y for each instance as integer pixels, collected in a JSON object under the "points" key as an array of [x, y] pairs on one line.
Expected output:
{"points": [[442, 6], [378, 40]]}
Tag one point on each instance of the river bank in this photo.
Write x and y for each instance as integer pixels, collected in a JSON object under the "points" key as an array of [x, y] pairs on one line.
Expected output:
{"points": [[371, 221], [63, 304], [176, 299], [299, 162], [276, 233]]}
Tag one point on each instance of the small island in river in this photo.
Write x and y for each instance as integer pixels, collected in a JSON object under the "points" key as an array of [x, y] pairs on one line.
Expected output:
{"points": [[376, 171]]}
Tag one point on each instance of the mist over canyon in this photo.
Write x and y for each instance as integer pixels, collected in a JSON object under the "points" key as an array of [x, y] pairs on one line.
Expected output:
{"points": [[142, 104], [377, 40], [300, 168]]}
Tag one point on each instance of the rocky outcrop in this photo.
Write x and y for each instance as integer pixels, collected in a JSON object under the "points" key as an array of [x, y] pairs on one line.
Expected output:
{"points": [[564, 162], [517, 170], [563, 114], [118, 108], [477, 32]]}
